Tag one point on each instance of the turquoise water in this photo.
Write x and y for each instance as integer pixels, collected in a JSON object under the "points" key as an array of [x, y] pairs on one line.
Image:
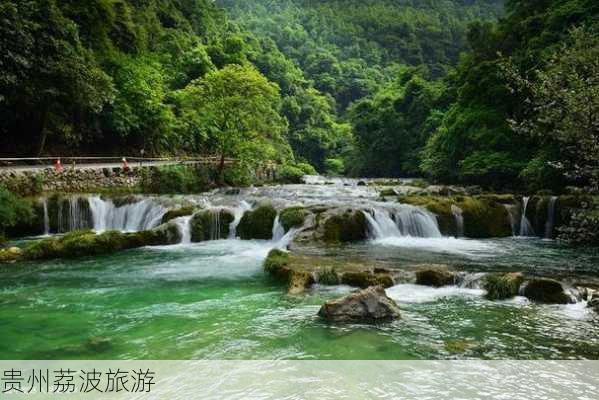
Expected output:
{"points": [[213, 301]]}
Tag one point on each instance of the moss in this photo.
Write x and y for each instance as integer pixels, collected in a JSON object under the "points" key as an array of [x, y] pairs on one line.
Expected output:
{"points": [[293, 217], [351, 226], [485, 216], [435, 276], [87, 243], [328, 276], [548, 291], [10, 255], [365, 279], [275, 262], [203, 225], [502, 286], [277, 265], [387, 192], [258, 223], [178, 213]]}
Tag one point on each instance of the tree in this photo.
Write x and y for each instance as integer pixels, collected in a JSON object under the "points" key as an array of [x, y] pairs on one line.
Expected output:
{"points": [[236, 108], [563, 103]]}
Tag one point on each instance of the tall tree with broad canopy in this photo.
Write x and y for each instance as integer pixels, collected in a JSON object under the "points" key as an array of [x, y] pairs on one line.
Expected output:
{"points": [[236, 108]]}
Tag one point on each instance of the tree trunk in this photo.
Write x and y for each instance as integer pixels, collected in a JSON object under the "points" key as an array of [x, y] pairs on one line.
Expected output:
{"points": [[221, 170]]}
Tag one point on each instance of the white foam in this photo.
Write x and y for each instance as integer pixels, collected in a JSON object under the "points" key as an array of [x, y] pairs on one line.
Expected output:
{"points": [[408, 293], [440, 245]]}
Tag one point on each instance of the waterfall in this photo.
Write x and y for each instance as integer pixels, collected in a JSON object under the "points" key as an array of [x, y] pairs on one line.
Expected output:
{"points": [[184, 226], [46, 217], [525, 226], [238, 213], [459, 220], [142, 215], [550, 218], [278, 231], [215, 225], [407, 221], [512, 214]]}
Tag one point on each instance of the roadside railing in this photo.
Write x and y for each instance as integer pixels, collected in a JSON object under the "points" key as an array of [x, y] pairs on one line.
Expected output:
{"points": [[49, 162]]}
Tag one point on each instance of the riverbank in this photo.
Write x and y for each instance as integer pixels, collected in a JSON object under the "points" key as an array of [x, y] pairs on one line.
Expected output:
{"points": [[190, 276]]}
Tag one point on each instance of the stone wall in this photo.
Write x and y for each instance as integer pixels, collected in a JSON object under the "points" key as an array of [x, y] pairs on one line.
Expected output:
{"points": [[70, 179]]}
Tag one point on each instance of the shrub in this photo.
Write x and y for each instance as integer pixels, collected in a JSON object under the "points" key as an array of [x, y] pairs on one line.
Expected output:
{"points": [[328, 276], [582, 229], [294, 172], [334, 166], [176, 179], [13, 211]]}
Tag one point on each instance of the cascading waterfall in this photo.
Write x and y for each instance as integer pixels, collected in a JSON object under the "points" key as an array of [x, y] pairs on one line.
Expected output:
{"points": [[184, 226], [215, 226], [525, 226], [238, 215], [278, 231], [512, 214], [46, 217], [142, 215], [550, 218], [458, 214], [407, 221]]}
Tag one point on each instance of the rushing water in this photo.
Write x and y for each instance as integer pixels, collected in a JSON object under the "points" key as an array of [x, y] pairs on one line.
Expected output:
{"points": [[212, 300]]}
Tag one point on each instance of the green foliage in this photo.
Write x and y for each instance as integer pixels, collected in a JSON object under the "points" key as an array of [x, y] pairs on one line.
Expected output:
{"points": [[237, 108], [293, 217], [258, 223], [502, 286], [294, 172], [334, 166], [328, 276], [176, 179], [13, 211], [583, 226]]}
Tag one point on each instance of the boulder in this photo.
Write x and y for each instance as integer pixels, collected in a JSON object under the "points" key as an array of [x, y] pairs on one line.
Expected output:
{"points": [[277, 265], [177, 213], [547, 291], [502, 286], [211, 225], [435, 276], [594, 302], [369, 305], [365, 279], [293, 218], [343, 226], [10, 255], [258, 223]]}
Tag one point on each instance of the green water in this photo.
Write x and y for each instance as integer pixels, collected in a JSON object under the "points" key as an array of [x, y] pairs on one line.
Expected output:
{"points": [[213, 301]]}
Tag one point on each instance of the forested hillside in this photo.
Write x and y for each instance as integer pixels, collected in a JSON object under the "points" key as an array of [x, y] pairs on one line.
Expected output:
{"points": [[471, 91]]}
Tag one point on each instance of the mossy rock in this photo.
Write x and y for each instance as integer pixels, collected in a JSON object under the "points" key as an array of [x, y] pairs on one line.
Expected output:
{"points": [[440, 206], [502, 286], [328, 276], [387, 192], [350, 226], [277, 265], [486, 216], [293, 217], [258, 223], [547, 291], [203, 225], [10, 255], [276, 261], [365, 279], [435, 276], [87, 243], [178, 213]]}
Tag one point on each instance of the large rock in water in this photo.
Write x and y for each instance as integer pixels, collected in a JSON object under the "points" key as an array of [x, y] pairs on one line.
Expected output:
{"points": [[547, 291], [503, 286], [435, 276], [258, 223], [368, 305]]}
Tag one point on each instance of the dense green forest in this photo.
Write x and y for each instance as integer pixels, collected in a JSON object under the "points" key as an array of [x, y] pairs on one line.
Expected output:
{"points": [[473, 91]]}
